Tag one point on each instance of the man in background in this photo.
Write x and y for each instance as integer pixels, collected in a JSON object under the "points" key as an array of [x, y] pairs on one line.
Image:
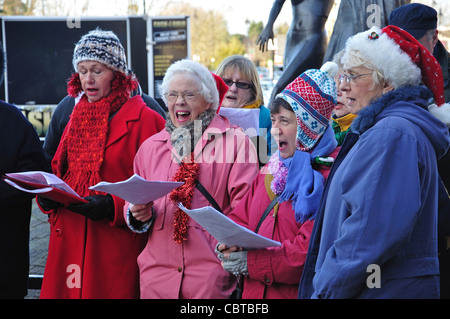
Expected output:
{"points": [[420, 21], [21, 152]]}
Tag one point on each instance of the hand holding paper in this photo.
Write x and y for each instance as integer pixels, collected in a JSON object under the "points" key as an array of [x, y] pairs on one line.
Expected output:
{"points": [[142, 213], [44, 184], [137, 190], [227, 231]]}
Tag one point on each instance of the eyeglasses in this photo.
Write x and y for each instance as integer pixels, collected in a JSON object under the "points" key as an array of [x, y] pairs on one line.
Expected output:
{"points": [[187, 96], [239, 85], [349, 78]]}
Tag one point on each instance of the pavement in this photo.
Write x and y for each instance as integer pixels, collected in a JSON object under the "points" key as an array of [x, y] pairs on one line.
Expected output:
{"points": [[39, 237]]}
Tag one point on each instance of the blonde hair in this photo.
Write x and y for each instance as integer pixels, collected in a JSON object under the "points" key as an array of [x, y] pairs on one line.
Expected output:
{"points": [[247, 69]]}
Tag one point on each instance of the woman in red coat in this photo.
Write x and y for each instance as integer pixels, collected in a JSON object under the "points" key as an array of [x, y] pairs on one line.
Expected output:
{"points": [[293, 181], [92, 253]]}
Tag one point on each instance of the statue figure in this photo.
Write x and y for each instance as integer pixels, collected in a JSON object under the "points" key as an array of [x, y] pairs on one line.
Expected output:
{"points": [[306, 43], [356, 16], [306, 39]]}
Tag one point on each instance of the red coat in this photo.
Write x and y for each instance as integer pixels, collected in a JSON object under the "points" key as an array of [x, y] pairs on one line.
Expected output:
{"points": [[274, 273], [97, 259]]}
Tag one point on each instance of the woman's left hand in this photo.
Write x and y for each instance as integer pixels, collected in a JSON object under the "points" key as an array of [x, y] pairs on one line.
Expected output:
{"points": [[97, 207], [222, 248]]}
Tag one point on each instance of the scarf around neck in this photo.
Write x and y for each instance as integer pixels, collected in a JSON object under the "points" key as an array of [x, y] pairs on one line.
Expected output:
{"points": [[296, 180], [343, 123], [183, 141], [184, 138], [254, 105], [83, 144]]}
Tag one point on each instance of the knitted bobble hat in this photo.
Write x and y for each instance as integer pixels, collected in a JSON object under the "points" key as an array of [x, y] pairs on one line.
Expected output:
{"points": [[101, 46], [312, 97], [402, 60]]}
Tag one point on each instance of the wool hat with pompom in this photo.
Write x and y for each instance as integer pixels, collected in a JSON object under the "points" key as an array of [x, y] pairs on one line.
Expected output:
{"points": [[403, 61], [101, 46], [312, 97]]}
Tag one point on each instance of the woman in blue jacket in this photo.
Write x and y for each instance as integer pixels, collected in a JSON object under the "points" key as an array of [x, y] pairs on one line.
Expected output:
{"points": [[376, 231]]}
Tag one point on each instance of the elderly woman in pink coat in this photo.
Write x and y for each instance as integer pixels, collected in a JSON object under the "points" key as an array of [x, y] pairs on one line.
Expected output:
{"points": [[288, 188], [197, 145]]}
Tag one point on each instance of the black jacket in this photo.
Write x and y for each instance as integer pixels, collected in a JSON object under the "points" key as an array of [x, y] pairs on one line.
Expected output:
{"points": [[443, 57], [21, 151]]}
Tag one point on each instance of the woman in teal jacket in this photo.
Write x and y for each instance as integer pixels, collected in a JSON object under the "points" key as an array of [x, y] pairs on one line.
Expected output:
{"points": [[241, 76], [376, 231]]}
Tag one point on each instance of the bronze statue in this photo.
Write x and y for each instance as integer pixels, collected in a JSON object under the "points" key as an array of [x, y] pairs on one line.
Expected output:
{"points": [[306, 38], [356, 16], [306, 43]]}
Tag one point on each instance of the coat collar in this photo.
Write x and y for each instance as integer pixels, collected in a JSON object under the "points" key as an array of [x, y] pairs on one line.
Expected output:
{"points": [[367, 117], [127, 113], [218, 126]]}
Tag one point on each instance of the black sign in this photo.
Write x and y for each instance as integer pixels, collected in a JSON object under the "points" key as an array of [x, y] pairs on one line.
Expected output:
{"points": [[170, 43]]}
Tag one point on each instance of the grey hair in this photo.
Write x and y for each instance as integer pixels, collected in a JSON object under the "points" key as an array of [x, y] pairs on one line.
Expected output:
{"points": [[384, 56], [354, 59], [206, 83], [337, 58]]}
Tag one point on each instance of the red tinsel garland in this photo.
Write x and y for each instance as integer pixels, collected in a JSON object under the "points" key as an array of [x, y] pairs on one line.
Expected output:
{"points": [[187, 173]]}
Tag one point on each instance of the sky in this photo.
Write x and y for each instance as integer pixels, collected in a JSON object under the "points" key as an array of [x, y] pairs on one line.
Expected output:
{"points": [[237, 11], [234, 11]]}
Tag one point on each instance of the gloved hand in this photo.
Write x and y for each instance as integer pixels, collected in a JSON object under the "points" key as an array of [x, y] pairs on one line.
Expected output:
{"points": [[98, 207], [48, 204], [236, 263], [219, 253]]}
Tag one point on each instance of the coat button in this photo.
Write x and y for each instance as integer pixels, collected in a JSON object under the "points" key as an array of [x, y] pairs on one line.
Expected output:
{"points": [[58, 232], [180, 269]]}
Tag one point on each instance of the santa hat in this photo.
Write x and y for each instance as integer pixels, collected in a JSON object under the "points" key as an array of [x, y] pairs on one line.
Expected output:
{"points": [[222, 88], [402, 60], [312, 97]]}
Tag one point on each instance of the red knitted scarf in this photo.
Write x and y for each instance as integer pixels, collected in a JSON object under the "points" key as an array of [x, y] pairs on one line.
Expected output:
{"points": [[83, 144]]}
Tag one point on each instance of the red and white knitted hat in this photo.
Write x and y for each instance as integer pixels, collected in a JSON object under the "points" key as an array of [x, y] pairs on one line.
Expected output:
{"points": [[402, 60], [312, 97]]}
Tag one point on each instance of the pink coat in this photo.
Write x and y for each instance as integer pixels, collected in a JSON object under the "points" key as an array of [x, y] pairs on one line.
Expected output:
{"points": [[191, 269], [274, 273]]}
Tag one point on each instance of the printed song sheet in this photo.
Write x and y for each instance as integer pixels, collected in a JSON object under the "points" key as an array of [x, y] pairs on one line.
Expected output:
{"points": [[136, 189], [226, 231], [248, 119], [45, 185]]}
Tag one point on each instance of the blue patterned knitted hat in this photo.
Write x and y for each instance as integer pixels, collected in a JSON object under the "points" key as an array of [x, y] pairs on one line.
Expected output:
{"points": [[312, 97], [101, 46]]}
